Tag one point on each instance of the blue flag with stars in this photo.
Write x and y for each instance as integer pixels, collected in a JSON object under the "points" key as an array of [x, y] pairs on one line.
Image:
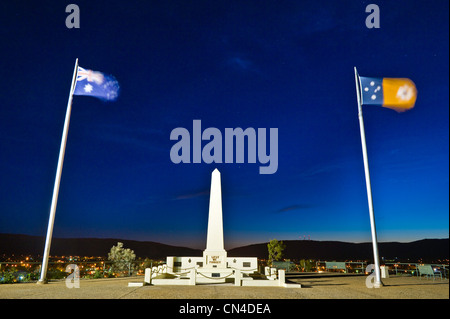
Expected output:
{"points": [[372, 91], [96, 84]]}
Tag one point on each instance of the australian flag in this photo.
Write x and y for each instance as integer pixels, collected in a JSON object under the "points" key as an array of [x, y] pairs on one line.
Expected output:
{"points": [[96, 84]]}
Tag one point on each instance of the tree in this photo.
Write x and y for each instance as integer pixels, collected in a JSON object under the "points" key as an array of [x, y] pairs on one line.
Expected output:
{"points": [[275, 248], [122, 258], [306, 265]]}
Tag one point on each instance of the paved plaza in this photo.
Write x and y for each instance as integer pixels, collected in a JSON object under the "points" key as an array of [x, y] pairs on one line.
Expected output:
{"points": [[313, 287]]}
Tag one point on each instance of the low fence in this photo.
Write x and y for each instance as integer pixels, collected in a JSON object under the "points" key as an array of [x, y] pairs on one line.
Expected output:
{"points": [[397, 269], [345, 266], [410, 269], [28, 271]]}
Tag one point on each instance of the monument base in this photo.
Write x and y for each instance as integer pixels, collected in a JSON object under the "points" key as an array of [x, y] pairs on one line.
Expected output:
{"points": [[216, 275], [214, 266]]}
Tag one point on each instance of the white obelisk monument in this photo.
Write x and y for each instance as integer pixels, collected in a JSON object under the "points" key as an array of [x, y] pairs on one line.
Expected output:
{"points": [[215, 256], [214, 266]]}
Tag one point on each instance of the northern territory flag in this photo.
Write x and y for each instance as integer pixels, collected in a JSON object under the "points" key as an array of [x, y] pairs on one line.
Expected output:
{"points": [[395, 93]]}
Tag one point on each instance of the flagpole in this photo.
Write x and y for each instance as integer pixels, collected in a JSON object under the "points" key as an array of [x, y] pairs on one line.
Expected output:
{"points": [[43, 278], [377, 283]]}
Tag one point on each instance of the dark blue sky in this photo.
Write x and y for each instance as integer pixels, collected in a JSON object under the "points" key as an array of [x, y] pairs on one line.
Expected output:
{"points": [[260, 64]]}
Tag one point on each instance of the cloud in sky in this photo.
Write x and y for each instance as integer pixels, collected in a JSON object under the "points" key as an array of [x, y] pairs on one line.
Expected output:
{"points": [[139, 137], [192, 195], [293, 207], [240, 62], [312, 172], [243, 64]]}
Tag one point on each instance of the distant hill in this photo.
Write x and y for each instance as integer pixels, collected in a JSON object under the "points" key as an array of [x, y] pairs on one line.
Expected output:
{"points": [[34, 246], [426, 249]]}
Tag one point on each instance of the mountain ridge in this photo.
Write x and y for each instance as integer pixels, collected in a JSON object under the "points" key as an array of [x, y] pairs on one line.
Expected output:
{"points": [[424, 249]]}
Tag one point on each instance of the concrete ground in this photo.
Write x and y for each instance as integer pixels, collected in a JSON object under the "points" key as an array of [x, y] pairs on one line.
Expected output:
{"points": [[313, 287]]}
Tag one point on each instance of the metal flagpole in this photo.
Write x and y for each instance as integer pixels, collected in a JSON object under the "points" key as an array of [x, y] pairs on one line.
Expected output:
{"points": [[43, 278], [377, 283]]}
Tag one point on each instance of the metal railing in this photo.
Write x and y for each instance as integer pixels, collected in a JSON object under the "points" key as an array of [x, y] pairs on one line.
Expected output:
{"points": [[29, 271], [410, 269], [350, 266]]}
